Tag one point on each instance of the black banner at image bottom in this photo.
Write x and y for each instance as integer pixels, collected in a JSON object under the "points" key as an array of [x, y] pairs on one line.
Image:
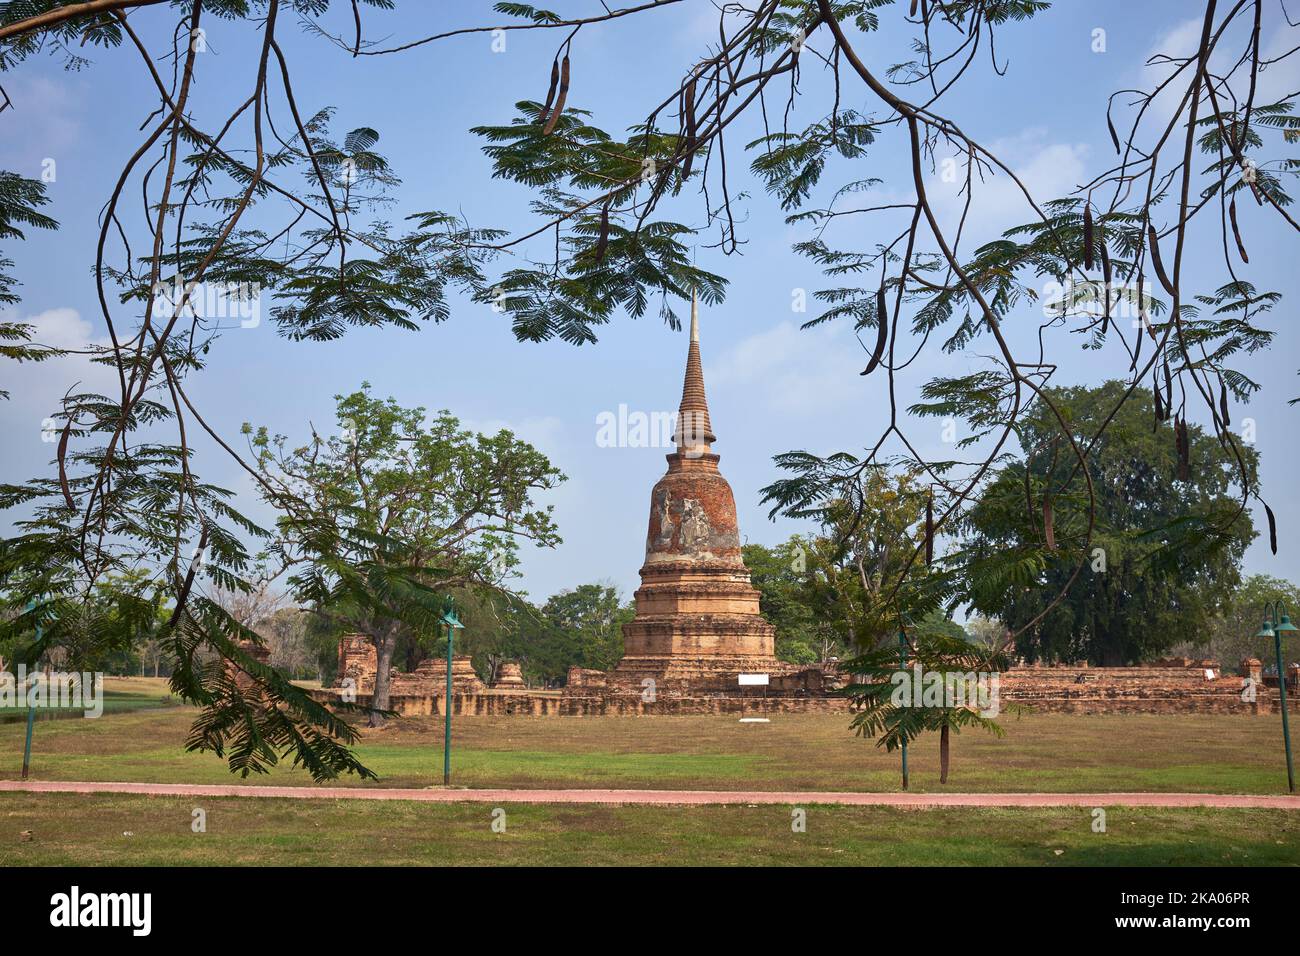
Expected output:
{"points": [[139, 907]]}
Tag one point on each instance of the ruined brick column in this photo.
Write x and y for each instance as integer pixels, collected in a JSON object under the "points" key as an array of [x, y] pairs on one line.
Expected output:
{"points": [[357, 660], [509, 675], [697, 617], [247, 686]]}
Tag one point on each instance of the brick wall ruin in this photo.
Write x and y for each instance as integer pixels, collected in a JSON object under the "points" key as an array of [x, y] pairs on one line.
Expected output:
{"points": [[1171, 686]]}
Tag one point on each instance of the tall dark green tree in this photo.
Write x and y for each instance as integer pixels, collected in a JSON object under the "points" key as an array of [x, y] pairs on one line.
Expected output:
{"points": [[1151, 567]]}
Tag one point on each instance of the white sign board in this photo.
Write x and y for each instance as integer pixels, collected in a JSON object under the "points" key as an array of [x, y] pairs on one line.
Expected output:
{"points": [[753, 680]]}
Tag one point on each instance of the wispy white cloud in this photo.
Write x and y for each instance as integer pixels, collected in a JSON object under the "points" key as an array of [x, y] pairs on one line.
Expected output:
{"points": [[792, 371], [1047, 169], [36, 388], [43, 123]]}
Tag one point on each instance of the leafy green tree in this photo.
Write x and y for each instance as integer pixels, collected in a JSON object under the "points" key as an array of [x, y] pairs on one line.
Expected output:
{"points": [[591, 616], [322, 636], [936, 647], [70, 567], [781, 575], [866, 570], [20, 202], [1154, 562], [381, 522], [493, 620], [579, 627], [1229, 636], [545, 651]]}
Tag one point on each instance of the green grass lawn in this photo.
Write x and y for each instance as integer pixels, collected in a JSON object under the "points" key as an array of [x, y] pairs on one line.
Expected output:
{"points": [[130, 830], [1040, 752]]}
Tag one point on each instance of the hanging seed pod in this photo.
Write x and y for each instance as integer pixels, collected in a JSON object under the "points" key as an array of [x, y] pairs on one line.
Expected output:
{"points": [[1087, 237], [1169, 383], [550, 94], [1160, 408], [688, 109], [1184, 452], [882, 332], [1236, 233], [929, 530], [1105, 275], [602, 241], [1155, 260], [1272, 529], [1223, 403], [912, 11], [1114, 137], [1178, 447], [1049, 529], [63, 471], [1141, 305], [183, 596], [1254, 189], [1143, 318], [559, 102]]}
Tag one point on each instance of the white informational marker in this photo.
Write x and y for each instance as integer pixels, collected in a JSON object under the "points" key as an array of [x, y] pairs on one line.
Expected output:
{"points": [[755, 680]]}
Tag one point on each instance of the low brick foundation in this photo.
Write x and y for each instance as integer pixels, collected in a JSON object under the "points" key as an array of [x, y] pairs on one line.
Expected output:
{"points": [[1172, 688], [1134, 690]]}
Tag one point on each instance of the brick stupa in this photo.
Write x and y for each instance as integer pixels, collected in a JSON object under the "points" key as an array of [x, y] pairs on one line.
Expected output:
{"points": [[697, 618]]}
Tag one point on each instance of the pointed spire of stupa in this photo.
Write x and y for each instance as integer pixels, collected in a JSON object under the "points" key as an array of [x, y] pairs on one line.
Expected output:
{"points": [[693, 426]]}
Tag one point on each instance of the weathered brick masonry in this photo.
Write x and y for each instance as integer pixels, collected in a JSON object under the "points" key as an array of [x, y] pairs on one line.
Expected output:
{"points": [[1158, 689]]}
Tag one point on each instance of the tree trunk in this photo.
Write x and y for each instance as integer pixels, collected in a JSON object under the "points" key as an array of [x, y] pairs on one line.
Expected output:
{"points": [[943, 754], [384, 647]]}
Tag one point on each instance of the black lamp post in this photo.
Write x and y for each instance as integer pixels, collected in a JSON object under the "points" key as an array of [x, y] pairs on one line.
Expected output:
{"points": [[452, 621], [1276, 623]]}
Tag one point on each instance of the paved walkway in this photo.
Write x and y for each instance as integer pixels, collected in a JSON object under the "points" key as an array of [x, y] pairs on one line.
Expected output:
{"points": [[670, 797]]}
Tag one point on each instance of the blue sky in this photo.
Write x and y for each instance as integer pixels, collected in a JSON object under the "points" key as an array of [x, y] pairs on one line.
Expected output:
{"points": [[771, 386]]}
